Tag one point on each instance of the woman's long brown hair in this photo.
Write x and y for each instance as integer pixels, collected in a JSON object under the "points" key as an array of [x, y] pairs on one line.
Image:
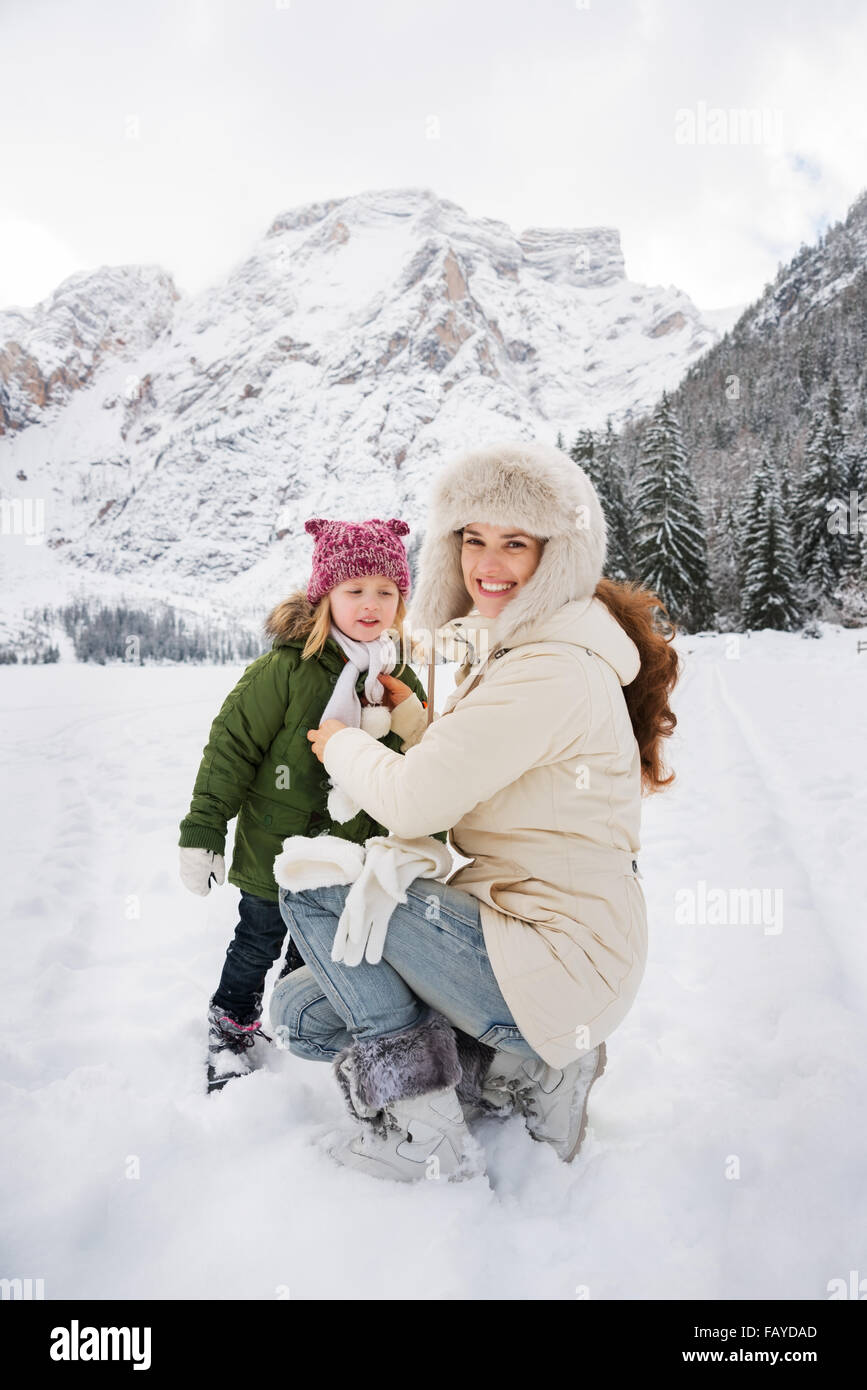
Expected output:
{"points": [[643, 617]]}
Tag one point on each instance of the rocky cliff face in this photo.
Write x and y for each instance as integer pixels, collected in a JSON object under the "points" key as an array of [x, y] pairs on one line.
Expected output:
{"points": [[48, 352]]}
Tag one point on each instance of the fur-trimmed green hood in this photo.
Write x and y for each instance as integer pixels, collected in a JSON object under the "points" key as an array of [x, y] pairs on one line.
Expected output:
{"points": [[291, 619]]}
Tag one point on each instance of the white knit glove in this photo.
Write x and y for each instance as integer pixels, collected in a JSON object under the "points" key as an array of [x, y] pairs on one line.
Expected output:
{"points": [[367, 909], [198, 867], [390, 865]]}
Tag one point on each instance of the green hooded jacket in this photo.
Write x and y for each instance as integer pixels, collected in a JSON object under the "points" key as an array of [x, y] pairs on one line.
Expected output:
{"points": [[258, 764]]}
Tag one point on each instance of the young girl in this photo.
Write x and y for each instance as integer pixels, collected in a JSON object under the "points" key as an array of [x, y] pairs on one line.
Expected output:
{"points": [[331, 657]]}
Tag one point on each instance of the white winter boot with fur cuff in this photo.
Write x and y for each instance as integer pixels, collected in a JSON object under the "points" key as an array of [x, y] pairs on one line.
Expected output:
{"points": [[402, 1088]]}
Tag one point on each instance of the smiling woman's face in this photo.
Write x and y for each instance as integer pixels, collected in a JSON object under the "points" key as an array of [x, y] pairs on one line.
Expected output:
{"points": [[497, 556]]}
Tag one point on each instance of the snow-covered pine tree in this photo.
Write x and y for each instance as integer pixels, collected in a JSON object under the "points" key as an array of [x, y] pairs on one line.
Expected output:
{"points": [[725, 555], [750, 506], [582, 453], [858, 515], [851, 595], [819, 500], [597, 455], [614, 493], [671, 552], [853, 467], [849, 464], [771, 579], [784, 478], [836, 407], [728, 549]]}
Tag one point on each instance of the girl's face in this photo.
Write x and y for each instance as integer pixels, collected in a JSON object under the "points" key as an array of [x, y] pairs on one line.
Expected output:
{"points": [[497, 556], [354, 601]]}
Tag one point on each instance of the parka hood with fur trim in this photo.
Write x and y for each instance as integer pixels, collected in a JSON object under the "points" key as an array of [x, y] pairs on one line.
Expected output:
{"points": [[534, 487]]}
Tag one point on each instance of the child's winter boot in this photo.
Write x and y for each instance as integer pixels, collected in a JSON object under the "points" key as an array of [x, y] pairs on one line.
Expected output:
{"points": [[232, 1047]]}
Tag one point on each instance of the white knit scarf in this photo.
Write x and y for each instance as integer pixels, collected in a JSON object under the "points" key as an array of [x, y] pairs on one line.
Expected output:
{"points": [[380, 654]]}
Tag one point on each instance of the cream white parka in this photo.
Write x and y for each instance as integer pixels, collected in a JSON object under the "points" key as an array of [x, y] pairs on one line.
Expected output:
{"points": [[534, 765]]}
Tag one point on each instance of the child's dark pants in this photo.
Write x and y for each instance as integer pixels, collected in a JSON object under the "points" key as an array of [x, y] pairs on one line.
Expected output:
{"points": [[257, 943]]}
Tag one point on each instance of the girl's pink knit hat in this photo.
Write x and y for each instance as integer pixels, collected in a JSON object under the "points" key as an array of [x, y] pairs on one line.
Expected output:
{"points": [[349, 549]]}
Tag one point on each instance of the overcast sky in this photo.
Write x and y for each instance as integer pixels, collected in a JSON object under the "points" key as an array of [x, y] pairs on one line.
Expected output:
{"points": [[173, 132]]}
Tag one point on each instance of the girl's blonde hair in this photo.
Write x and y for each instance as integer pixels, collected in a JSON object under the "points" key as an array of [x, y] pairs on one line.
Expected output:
{"points": [[322, 623]]}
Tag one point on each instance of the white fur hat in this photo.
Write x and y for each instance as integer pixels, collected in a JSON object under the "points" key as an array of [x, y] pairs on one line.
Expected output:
{"points": [[532, 486]]}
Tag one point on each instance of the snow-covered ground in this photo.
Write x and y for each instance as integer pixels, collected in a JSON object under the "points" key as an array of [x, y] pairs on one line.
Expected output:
{"points": [[726, 1149]]}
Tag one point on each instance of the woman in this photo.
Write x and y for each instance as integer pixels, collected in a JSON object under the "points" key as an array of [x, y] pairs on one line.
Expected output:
{"points": [[497, 989]]}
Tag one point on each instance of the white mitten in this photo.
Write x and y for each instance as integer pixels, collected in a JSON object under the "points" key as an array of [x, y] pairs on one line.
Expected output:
{"points": [[366, 905], [396, 862], [198, 867], [390, 865]]}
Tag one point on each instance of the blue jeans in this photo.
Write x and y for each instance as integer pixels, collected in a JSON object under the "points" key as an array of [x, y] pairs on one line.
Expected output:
{"points": [[434, 958], [257, 943]]}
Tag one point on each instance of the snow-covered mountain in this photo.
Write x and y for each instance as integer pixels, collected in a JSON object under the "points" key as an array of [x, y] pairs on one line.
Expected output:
{"points": [[174, 445]]}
